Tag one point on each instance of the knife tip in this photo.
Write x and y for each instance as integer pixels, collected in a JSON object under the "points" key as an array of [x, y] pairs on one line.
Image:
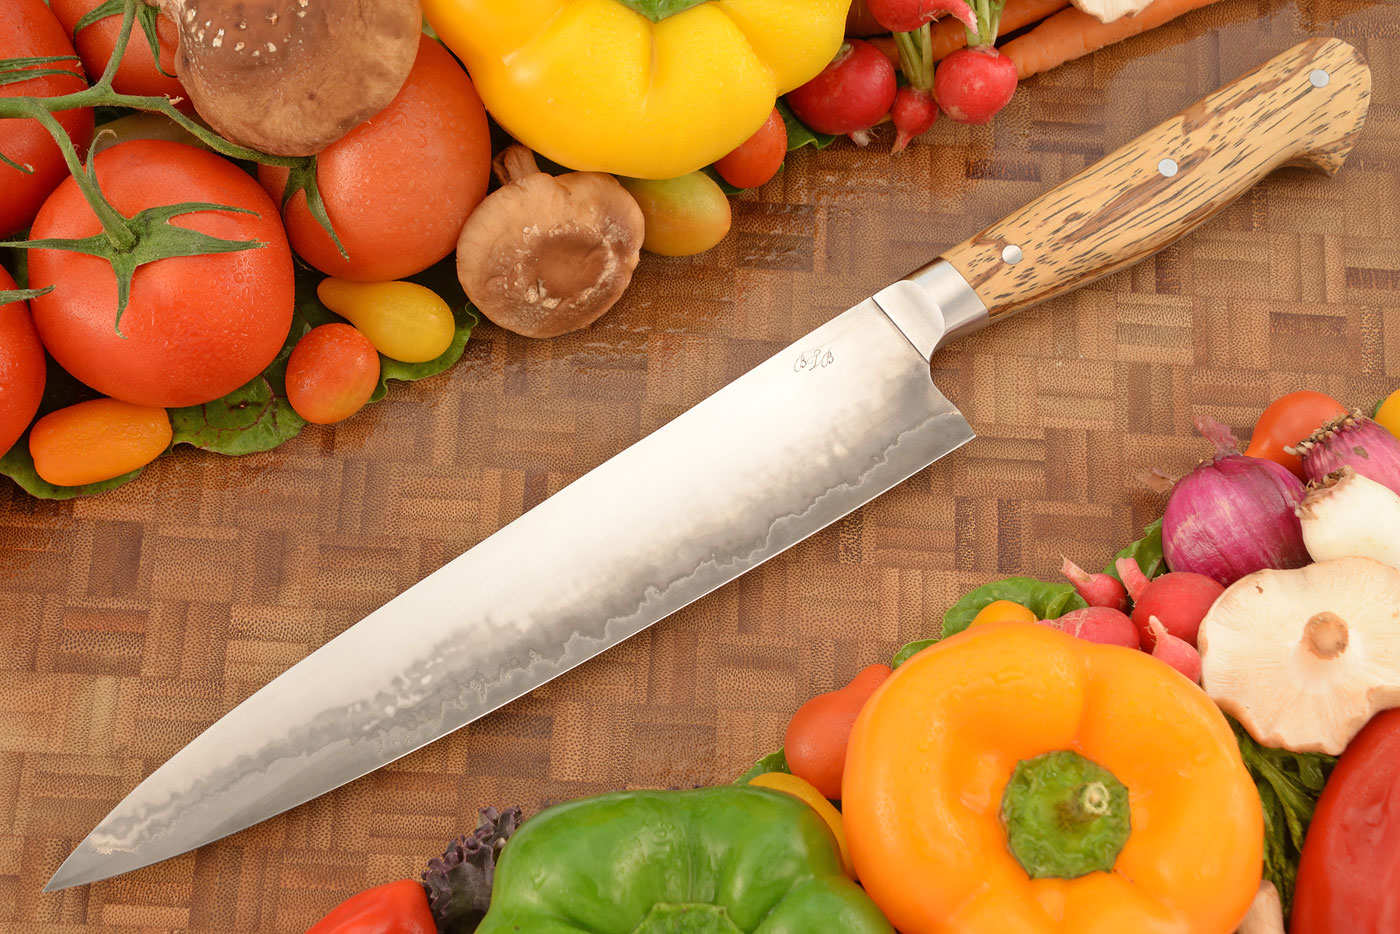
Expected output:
{"points": [[78, 869]]}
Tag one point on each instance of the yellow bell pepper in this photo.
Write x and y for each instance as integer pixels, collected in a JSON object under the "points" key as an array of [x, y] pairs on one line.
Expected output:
{"points": [[1013, 779], [595, 85]]}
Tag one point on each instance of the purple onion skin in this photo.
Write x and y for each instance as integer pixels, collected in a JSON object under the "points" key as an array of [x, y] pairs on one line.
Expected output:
{"points": [[1357, 442], [1232, 516]]}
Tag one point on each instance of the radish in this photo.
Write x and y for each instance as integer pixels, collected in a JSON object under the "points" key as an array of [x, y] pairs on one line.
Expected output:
{"points": [[1179, 600], [973, 84], [851, 94], [913, 112], [1096, 589], [1178, 653], [908, 15], [1100, 624]]}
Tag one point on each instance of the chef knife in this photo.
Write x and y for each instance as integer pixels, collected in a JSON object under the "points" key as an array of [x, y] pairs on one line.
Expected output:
{"points": [[816, 431]]}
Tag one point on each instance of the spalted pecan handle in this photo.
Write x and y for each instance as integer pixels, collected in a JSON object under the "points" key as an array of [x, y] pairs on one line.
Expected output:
{"points": [[1305, 107]]}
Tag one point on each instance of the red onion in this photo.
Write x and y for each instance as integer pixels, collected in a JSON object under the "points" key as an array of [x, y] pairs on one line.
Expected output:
{"points": [[1352, 441], [1233, 515]]}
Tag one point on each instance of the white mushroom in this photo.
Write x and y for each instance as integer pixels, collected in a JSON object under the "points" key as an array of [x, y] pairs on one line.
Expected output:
{"points": [[290, 77], [1303, 658], [1106, 11]]}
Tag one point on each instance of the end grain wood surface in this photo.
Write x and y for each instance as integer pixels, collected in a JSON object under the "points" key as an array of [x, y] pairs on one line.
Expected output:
{"points": [[131, 621]]}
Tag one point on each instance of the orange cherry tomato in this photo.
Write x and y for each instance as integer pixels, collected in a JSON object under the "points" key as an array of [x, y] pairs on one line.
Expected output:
{"points": [[815, 743], [758, 158], [331, 373], [1003, 611], [22, 368], [97, 440], [1288, 420]]}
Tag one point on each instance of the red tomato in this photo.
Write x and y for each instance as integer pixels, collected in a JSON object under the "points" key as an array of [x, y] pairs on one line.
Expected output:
{"points": [[27, 28], [137, 73], [815, 742], [758, 158], [398, 188], [197, 327], [1287, 420], [21, 368], [331, 373]]}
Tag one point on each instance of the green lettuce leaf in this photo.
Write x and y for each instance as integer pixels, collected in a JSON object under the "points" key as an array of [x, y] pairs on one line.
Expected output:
{"points": [[909, 651], [1289, 784], [1147, 550], [1046, 601], [798, 133], [773, 762]]}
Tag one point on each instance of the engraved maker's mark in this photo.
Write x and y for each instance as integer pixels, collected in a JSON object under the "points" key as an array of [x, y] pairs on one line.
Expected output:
{"points": [[814, 359]]}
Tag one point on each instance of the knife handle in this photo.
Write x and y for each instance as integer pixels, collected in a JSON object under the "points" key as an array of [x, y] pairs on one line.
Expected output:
{"points": [[1305, 107]]}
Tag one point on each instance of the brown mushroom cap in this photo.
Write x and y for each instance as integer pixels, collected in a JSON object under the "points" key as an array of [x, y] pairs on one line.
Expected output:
{"points": [[545, 255], [290, 77]]}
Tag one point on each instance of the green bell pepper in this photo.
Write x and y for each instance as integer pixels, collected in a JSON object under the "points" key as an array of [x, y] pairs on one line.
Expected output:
{"points": [[727, 860]]}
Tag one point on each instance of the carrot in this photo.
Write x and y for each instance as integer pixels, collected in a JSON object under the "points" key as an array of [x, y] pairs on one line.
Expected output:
{"points": [[1073, 33], [949, 35]]}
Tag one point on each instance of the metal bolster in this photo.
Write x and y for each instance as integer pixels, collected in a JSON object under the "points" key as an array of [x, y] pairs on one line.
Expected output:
{"points": [[933, 306]]}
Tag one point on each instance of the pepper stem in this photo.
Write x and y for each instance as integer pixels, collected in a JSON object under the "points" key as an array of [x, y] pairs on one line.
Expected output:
{"points": [[1065, 816]]}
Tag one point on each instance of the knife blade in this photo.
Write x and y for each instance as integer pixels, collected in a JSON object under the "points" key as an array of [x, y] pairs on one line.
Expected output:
{"points": [[806, 437]]}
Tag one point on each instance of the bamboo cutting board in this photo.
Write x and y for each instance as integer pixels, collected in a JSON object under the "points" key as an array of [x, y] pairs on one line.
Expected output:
{"points": [[130, 621]]}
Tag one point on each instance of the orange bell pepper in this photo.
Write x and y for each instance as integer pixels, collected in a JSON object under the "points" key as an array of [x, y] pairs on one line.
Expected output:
{"points": [[932, 811]]}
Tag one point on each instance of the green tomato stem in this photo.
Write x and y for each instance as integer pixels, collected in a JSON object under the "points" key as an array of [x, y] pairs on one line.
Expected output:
{"points": [[118, 230]]}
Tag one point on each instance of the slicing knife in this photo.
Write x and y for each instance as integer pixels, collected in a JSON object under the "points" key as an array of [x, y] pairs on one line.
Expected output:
{"points": [[818, 430]]}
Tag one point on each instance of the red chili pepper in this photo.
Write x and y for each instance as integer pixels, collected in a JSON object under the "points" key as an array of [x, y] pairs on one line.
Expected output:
{"points": [[1349, 874], [395, 908]]}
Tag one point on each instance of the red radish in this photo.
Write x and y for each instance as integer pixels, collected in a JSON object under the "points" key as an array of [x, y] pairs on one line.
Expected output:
{"points": [[1096, 589], [1180, 600], [1178, 653], [908, 15], [1100, 624], [973, 84], [913, 112], [851, 94]]}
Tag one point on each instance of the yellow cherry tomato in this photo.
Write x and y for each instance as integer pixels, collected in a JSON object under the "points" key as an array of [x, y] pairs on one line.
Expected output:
{"points": [[1388, 413], [806, 791], [403, 320], [1003, 611]]}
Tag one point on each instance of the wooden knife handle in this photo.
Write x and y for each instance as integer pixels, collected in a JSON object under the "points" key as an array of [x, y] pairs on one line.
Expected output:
{"points": [[1305, 107]]}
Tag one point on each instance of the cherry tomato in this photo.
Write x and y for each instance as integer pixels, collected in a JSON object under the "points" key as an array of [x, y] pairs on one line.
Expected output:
{"points": [[398, 188], [331, 373], [403, 320], [197, 327], [137, 73], [1288, 420], [758, 158], [97, 440], [27, 28], [1003, 611], [683, 216], [22, 370], [815, 742]]}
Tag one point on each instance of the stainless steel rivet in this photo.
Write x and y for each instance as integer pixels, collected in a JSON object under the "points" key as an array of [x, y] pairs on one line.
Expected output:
{"points": [[1319, 78], [1167, 167], [1011, 254]]}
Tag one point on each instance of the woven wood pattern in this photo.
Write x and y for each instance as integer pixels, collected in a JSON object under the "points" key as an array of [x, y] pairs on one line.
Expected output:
{"points": [[131, 621]]}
